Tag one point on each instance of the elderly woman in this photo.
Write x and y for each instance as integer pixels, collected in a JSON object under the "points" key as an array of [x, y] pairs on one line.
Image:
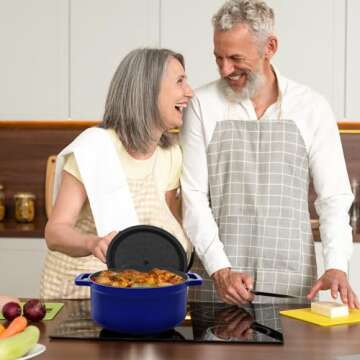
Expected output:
{"points": [[125, 171]]}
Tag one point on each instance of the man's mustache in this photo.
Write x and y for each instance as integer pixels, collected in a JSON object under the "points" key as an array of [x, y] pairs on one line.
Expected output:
{"points": [[246, 72]]}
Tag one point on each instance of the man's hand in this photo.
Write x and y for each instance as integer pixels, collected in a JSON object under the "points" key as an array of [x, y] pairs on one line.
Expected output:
{"points": [[233, 287], [336, 281], [100, 246]]}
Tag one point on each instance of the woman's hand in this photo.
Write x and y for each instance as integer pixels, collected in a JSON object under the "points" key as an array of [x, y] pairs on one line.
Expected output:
{"points": [[98, 247]]}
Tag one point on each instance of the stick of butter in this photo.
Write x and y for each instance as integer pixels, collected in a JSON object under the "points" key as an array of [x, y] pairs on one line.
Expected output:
{"points": [[329, 309]]}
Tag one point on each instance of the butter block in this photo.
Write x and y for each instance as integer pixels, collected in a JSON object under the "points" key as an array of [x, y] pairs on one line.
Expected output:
{"points": [[329, 309]]}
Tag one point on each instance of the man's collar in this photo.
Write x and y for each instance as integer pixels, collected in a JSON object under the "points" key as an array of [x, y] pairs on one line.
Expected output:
{"points": [[281, 81]]}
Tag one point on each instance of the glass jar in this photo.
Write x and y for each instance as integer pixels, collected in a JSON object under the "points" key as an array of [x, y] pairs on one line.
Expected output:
{"points": [[2, 203], [24, 207]]}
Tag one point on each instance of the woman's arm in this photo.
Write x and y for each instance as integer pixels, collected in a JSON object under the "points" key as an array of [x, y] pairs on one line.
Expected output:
{"points": [[60, 233], [174, 203]]}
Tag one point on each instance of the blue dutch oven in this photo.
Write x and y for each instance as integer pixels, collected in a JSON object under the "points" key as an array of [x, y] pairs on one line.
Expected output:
{"points": [[140, 311]]}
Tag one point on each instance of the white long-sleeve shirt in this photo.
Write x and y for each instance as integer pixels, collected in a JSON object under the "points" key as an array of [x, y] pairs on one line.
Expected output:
{"points": [[318, 128]]}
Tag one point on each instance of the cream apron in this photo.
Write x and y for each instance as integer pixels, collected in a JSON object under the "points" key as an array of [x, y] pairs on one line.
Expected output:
{"points": [[60, 270], [258, 186]]}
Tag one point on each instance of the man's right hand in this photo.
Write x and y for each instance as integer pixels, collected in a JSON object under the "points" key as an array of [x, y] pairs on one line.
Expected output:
{"points": [[233, 287]]}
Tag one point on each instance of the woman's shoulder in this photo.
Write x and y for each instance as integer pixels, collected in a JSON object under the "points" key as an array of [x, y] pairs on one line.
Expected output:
{"points": [[173, 153]]}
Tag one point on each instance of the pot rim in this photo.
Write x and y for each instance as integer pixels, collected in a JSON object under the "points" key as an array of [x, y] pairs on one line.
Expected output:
{"points": [[185, 277]]}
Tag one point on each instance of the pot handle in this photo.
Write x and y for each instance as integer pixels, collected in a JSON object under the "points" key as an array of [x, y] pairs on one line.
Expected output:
{"points": [[83, 279], [194, 279]]}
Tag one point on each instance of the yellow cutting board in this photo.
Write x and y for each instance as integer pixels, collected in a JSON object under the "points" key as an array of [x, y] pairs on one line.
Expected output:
{"points": [[307, 315]]}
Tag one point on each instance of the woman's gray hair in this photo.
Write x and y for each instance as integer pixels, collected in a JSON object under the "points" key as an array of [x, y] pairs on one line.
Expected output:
{"points": [[256, 14], [131, 107]]}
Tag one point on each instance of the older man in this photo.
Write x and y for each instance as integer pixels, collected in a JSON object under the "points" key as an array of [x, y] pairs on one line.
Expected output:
{"points": [[252, 140]]}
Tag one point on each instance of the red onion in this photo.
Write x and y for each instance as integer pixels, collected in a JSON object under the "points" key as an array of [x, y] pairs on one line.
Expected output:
{"points": [[34, 310], [11, 310]]}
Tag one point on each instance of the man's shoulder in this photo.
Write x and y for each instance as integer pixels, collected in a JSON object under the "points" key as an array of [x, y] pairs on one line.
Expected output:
{"points": [[301, 92]]}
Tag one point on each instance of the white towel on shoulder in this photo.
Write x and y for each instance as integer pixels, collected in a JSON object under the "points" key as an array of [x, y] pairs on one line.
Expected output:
{"points": [[104, 180]]}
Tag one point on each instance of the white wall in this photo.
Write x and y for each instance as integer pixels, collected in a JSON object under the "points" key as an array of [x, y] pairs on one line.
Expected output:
{"points": [[58, 56]]}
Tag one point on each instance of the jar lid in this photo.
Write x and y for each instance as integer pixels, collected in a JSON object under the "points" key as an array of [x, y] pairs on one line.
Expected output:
{"points": [[143, 247], [24, 195]]}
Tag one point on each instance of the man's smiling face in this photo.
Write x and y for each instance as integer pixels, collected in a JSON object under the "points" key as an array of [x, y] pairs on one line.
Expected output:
{"points": [[239, 60]]}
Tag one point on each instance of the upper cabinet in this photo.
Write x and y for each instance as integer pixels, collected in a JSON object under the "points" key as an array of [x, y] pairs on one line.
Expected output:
{"points": [[34, 59], [102, 32], [312, 46], [58, 56], [188, 29], [353, 61]]}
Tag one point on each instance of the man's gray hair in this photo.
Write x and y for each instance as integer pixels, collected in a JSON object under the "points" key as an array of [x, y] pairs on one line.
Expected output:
{"points": [[131, 107], [256, 14]]}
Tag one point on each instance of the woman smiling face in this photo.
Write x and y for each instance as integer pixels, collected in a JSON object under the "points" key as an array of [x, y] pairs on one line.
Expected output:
{"points": [[174, 95]]}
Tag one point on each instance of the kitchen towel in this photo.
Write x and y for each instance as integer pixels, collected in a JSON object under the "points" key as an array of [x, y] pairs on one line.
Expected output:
{"points": [[104, 180]]}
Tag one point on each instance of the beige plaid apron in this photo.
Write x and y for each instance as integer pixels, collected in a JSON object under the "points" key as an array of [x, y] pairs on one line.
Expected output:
{"points": [[258, 183], [60, 270]]}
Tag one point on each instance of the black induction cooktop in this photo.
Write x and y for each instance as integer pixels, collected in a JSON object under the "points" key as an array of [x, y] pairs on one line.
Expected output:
{"points": [[204, 323]]}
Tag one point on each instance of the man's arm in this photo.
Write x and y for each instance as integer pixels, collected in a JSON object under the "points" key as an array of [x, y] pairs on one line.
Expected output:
{"points": [[198, 220], [334, 198]]}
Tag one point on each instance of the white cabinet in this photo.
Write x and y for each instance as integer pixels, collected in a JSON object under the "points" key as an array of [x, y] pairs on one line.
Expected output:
{"points": [[311, 42], [21, 263], [57, 57], [312, 45], [188, 29], [102, 32], [34, 59], [353, 61]]}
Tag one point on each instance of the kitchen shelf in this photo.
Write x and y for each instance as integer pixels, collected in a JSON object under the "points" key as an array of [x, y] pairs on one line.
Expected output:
{"points": [[12, 229]]}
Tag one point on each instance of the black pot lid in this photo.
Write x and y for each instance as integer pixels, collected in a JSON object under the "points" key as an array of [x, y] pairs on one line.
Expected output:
{"points": [[143, 247]]}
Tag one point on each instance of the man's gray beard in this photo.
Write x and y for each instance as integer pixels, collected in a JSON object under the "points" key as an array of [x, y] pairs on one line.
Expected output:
{"points": [[253, 84]]}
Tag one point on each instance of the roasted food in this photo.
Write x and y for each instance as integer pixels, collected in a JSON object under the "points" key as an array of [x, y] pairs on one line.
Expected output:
{"points": [[130, 278]]}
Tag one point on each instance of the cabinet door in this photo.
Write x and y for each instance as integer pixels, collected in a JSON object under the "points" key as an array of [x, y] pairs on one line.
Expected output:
{"points": [[353, 61], [33, 61], [312, 46], [102, 32], [311, 42], [188, 29], [21, 263]]}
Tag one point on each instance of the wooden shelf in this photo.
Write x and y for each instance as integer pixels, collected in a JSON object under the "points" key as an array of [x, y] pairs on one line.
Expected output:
{"points": [[12, 229]]}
